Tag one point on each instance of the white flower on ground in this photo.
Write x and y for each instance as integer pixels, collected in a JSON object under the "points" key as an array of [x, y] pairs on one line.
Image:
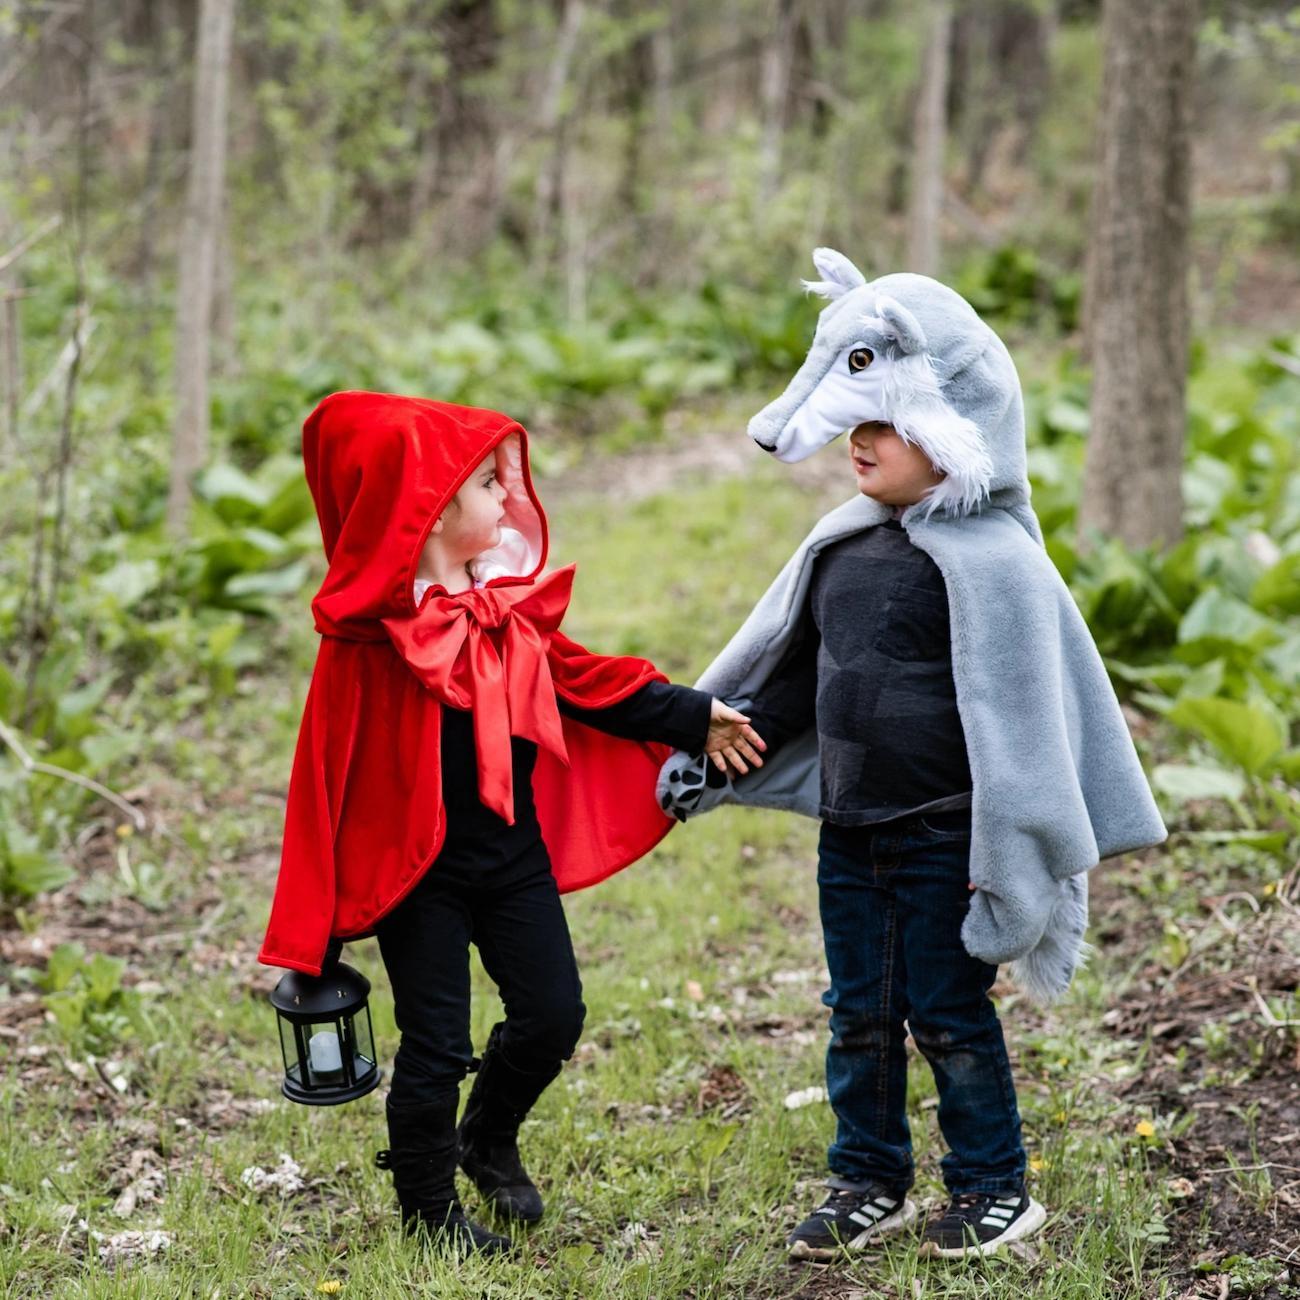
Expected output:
{"points": [[131, 1245], [284, 1180], [805, 1097]]}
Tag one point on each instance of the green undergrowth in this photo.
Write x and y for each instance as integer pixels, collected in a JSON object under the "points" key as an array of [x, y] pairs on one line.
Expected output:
{"points": [[670, 1160]]}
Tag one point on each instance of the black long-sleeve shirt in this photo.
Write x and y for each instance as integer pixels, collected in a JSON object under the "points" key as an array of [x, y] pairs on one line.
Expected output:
{"points": [[873, 666], [480, 845]]}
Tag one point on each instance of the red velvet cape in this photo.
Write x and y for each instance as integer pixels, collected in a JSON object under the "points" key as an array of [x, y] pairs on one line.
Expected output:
{"points": [[365, 819]]}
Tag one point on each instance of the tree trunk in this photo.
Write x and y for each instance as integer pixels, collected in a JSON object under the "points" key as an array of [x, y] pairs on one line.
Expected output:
{"points": [[1138, 262], [775, 89], [11, 365], [927, 175], [224, 320], [662, 71], [152, 20], [998, 81], [198, 253], [552, 122]]}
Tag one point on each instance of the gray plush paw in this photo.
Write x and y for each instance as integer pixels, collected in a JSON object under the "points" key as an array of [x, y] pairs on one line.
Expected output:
{"points": [[685, 781]]}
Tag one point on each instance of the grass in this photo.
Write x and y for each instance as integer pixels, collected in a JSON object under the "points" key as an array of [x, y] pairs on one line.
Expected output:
{"points": [[670, 1161]]}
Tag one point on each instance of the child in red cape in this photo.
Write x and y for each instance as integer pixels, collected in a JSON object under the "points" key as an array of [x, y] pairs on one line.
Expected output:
{"points": [[461, 763]]}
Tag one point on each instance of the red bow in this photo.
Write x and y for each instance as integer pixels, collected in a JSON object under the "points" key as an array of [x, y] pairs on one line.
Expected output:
{"points": [[485, 650]]}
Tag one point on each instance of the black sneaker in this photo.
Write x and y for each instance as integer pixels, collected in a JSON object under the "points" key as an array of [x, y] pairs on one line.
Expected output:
{"points": [[980, 1223], [850, 1220]]}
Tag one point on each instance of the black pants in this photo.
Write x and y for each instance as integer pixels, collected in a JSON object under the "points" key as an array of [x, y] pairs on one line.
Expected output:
{"points": [[516, 921]]}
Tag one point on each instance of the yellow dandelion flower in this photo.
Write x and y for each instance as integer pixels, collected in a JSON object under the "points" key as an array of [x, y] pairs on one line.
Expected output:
{"points": [[1145, 1129], [331, 1286], [1036, 1164]]}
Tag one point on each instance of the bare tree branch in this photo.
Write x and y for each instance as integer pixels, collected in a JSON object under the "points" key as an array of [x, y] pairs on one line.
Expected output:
{"points": [[52, 223], [31, 764]]}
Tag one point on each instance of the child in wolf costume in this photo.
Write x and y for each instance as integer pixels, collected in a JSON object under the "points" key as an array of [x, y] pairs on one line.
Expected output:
{"points": [[929, 690], [461, 763]]}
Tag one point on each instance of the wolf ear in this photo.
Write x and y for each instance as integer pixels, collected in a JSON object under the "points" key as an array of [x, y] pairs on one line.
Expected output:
{"points": [[902, 325], [839, 275]]}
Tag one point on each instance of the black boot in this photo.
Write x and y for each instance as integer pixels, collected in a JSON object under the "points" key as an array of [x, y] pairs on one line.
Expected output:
{"points": [[422, 1160], [489, 1133]]}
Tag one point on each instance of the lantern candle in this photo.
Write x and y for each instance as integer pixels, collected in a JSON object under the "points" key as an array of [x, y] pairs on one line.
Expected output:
{"points": [[325, 1054]]}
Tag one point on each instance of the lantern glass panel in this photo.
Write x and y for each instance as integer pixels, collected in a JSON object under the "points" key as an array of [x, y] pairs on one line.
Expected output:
{"points": [[363, 1041]]}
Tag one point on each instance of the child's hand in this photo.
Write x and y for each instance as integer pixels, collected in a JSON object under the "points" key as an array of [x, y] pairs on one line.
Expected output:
{"points": [[732, 741]]}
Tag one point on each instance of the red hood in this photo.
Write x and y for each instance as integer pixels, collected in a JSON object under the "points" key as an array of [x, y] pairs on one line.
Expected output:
{"points": [[381, 469]]}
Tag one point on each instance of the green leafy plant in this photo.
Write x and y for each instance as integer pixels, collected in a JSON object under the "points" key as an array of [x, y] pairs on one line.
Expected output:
{"points": [[26, 868], [91, 1009]]}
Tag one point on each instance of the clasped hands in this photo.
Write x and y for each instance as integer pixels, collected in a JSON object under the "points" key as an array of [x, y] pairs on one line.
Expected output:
{"points": [[733, 745]]}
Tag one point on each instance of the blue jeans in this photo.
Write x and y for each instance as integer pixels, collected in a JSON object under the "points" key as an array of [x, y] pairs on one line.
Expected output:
{"points": [[893, 898]]}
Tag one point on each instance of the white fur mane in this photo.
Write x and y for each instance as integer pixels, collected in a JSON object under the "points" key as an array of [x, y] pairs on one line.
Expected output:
{"points": [[953, 443]]}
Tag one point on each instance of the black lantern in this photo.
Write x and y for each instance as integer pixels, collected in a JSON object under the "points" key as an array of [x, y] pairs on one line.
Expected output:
{"points": [[325, 1036]]}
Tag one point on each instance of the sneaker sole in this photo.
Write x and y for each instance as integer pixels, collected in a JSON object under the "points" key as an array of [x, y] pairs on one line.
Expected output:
{"points": [[897, 1222], [1025, 1226]]}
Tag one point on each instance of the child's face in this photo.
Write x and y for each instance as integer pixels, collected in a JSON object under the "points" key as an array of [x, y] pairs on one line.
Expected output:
{"points": [[471, 524], [889, 470]]}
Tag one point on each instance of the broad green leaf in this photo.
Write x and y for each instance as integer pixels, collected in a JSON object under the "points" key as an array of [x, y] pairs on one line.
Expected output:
{"points": [[1247, 735], [1278, 589], [1046, 466], [68, 1007], [65, 961], [1205, 680], [231, 493], [104, 750], [1216, 616], [1206, 482], [32, 873], [129, 580], [1066, 416], [1182, 782], [1167, 677], [222, 637], [103, 976], [270, 582], [290, 507], [84, 699], [1264, 841]]}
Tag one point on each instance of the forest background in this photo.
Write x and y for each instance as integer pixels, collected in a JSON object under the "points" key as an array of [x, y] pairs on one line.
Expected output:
{"points": [[594, 215]]}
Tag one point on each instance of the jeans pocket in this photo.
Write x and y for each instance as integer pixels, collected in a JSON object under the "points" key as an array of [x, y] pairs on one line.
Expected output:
{"points": [[951, 826]]}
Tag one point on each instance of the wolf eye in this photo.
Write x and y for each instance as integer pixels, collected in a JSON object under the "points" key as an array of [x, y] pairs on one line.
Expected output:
{"points": [[860, 359]]}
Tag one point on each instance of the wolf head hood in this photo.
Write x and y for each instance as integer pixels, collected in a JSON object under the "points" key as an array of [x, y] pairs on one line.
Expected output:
{"points": [[381, 469], [365, 818], [907, 351]]}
